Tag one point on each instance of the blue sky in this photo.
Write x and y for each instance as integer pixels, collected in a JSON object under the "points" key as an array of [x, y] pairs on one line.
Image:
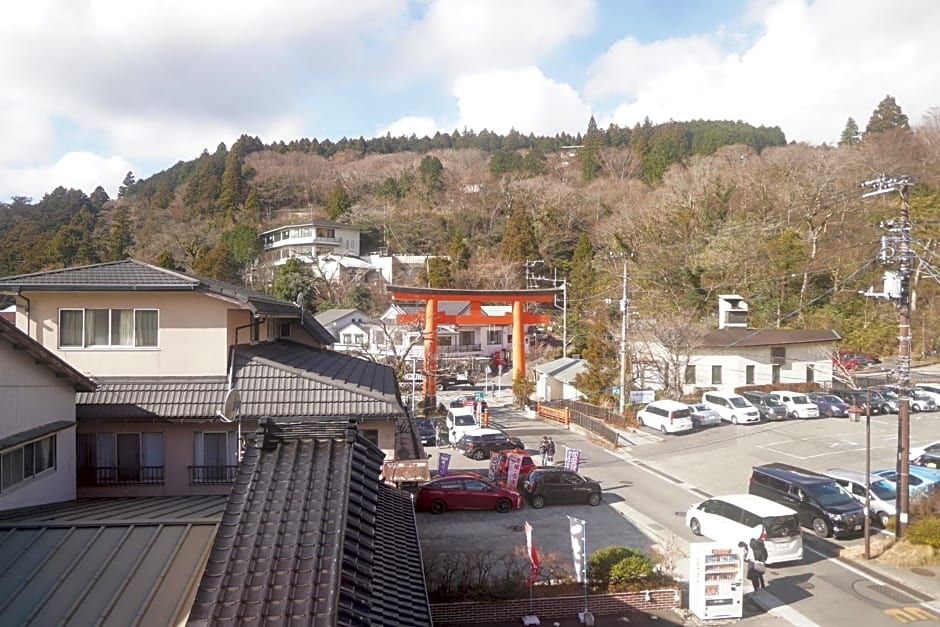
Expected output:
{"points": [[96, 88]]}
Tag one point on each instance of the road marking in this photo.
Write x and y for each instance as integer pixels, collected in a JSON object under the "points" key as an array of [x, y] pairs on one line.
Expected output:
{"points": [[910, 614], [797, 616]]}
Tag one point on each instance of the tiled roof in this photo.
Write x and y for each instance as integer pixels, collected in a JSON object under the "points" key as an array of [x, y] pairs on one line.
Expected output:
{"points": [[150, 398], [767, 337], [328, 317], [302, 533], [123, 561], [283, 378], [43, 356], [558, 366], [131, 274]]}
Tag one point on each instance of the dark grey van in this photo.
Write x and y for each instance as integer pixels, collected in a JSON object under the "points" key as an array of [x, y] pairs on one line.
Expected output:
{"points": [[821, 503], [769, 407]]}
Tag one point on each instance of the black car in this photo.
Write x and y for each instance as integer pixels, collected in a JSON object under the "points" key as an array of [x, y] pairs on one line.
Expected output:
{"points": [[425, 428], [830, 405], [482, 443], [549, 486], [858, 398], [769, 407]]}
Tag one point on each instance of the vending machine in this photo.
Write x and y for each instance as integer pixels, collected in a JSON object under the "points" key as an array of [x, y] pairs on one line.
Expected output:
{"points": [[716, 580]]}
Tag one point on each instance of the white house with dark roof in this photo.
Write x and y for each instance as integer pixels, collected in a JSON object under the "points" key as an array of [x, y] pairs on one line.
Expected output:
{"points": [[555, 380], [37, 429], [734, 356]]}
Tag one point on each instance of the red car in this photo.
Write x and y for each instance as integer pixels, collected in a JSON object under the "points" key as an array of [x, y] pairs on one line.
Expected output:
{"points": [[455, 491]]}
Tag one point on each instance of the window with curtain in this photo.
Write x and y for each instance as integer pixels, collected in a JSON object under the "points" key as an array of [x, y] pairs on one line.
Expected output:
{"points": [[81, 328]]}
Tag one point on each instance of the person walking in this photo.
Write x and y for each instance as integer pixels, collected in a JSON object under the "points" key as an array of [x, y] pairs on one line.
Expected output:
{"points": [[551, 451], [759, 553], [751, 568], [543, 449]]}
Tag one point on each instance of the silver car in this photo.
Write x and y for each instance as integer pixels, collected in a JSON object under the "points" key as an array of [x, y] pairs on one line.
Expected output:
{"points": [[703, 416], [881, 492]]}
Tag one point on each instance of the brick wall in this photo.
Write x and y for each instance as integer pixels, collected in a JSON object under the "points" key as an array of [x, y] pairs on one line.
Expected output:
{"points": [[445, 614]]}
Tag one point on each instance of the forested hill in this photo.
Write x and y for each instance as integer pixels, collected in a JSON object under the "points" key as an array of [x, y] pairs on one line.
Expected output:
{"points": [[693, 209]]}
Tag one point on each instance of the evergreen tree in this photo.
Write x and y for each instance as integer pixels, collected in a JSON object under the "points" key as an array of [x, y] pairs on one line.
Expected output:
{"points": [[431, 177], [534, 163], [505, 161], [603, 366], [850, 134], [887, 116], [219, 264], [126, 185], [243, 241], [582, 281], [459, 252], [121, 238], [230, 194], [519, 242], [252, 205], [166, 260], [590, 153], [338, 202], [294, 281], [437, 272]]}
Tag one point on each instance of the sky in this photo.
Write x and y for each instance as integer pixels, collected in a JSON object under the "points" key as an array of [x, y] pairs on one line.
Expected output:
{"points": [[93, 89]]}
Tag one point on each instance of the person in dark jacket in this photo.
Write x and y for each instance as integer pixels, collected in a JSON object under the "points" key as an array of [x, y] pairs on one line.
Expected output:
{"points": [[751, 568]]}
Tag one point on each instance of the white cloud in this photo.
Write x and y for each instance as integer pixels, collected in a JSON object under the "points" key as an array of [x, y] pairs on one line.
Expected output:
{"points": [[455, 38], [75, 170], [521, 99], [811, 67], [419, 126]]}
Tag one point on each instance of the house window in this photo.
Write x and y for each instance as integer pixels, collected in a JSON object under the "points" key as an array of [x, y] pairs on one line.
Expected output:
{"points": [[690, 374], [494, 336], [372, 435], [466, 338], [810, 374], [775, 373], [85, 328], [778, 354], [445, 340], [27, 461], [749, 375], [120, 458], [716, 375], [215, 457], [283, 329]]}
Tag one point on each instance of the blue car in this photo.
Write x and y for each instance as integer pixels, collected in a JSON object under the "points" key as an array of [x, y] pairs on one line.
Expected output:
{"points": [[921, 479], [830, 405]]}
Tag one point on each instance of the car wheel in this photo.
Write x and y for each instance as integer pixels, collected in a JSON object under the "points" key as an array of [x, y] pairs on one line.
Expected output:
{"points": [[915, 407], [821, 528], [438, 506], [883, 519], [440, 387], [503, 505], [537, 501], [594, 499], [734, 420], [695, 526], [639, 421], [663, 429], [479, 454], [794, 415]]}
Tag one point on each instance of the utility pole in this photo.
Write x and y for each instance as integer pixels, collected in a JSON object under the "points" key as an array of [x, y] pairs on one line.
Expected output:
{"points": [[886, 185], [624, 314]]}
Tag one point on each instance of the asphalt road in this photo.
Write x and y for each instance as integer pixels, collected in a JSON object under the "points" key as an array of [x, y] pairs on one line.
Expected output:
{"points": [[649, 487]]}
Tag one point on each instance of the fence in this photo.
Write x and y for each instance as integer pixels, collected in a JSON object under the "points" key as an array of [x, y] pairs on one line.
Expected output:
{"points": [[600, 421]]}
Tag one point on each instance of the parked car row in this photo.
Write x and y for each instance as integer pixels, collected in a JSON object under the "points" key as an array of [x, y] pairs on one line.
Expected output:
{"points": [[471, 491]]}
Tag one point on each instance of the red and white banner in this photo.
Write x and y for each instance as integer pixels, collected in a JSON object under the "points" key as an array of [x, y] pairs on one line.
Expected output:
{"points": [[533, 555], [512, 474], [577, 549]]}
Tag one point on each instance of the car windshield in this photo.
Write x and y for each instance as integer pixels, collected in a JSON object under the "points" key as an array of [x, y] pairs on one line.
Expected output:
{"points": [[829, 398], [464, 421], [800, 400], [738, 401], [424, 423], [830, 494], [884, 490], [772, 402]]}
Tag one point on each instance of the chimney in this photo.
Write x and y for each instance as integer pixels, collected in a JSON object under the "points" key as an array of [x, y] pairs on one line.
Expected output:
{"points": [[732, 312]]}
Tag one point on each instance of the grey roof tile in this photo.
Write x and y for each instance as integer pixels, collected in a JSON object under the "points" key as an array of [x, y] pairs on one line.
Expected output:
{"points": [[302, 534], [155, 397], [766, 337]]}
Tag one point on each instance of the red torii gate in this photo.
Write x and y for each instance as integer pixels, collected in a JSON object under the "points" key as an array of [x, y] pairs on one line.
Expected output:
{"points": [[432, 317]]}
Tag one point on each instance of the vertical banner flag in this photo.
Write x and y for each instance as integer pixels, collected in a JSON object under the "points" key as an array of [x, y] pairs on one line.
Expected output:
{"points": [[577, 548], [512, 475], [443, 463], [494, 466], [572, 459], [533, 555]]}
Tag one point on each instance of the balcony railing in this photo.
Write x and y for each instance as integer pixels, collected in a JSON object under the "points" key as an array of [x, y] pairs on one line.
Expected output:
{"points": [[459, 348], [118, 475], [212, 475]]}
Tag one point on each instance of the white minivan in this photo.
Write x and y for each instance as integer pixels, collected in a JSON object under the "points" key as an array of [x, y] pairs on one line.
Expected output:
{"points": [[459, 420], [741, 517], [732, 408], [667, 416], [798, 404]]}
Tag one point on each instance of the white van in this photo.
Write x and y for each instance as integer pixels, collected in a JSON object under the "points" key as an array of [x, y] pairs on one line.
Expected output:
{"points": [[733, 408], [882, 494], [459, 420], [798, 404], [741, 517], [667, 416]]}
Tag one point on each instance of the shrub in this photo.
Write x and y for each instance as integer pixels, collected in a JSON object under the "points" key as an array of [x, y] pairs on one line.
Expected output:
{"points": [[631, 570], [603, 560], [924, 531]]}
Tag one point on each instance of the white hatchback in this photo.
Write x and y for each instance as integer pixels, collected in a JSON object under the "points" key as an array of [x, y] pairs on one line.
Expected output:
{"points": [[667, 416]]}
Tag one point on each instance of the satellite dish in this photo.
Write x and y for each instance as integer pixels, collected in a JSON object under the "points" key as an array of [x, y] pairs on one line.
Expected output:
{"points": [[230, 406]]}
